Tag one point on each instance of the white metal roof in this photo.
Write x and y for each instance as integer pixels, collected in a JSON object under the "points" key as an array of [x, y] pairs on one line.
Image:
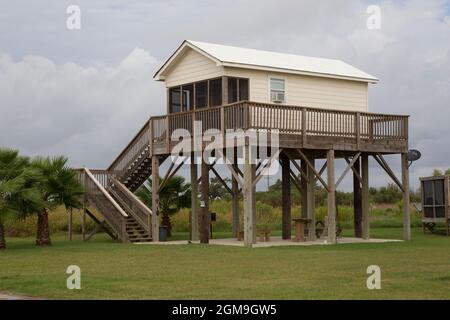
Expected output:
{"points": [[237, 57]]}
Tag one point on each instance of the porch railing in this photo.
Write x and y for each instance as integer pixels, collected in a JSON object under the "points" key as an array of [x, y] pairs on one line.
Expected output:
{"points": [[95, 190], [286, 119], [300, 120]]}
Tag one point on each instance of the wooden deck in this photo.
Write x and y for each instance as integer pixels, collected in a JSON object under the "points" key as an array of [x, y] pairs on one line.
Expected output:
{"points": [[298, 127]]}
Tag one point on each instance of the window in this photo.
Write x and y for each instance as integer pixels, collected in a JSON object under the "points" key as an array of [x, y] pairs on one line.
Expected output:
{"points": [[232, 90], [237, 89], [188, 97], [277, 90], [439, 192], [174, 100], [215, 92], [201, 94], [433, 198], [243, 89]]}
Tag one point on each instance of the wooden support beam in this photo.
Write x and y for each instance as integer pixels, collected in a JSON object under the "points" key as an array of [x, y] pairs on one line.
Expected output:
{"points": [[155, 199], [194, 199], [303, 191], [321, 171], [99, 225], [357, 199], [318, 175], [224, 184], [238, 171], [301, 170], [382, 162], [266, 167], [365, 196], [234, 169], [356, 173], [258, 166], [331, 197], [286, 196], [295, 180], [204, 218], [249, 199], [310, 202], [234, 173], [166, 177], [349, 166], [83, 225], [235, 200], [405, 183], [93, 232], [170, 173], [83, 215]]}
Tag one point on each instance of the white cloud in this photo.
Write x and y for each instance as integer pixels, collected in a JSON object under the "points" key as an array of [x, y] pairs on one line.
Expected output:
{"points": [[89, 112], [85, 113]]}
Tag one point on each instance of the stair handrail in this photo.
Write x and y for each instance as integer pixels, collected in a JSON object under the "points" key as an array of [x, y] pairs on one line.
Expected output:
{"points": [[145, 209], [105, 193], [145, 127]]}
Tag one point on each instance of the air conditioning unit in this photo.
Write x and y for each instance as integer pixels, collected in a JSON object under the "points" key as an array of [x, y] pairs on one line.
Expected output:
{"points": [[278, 97]]}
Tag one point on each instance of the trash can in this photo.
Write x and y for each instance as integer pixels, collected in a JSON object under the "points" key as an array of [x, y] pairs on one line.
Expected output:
{"points": [[162, 233]]}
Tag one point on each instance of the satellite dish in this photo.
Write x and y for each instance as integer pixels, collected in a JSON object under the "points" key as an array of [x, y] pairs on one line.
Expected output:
{"points": [[413, 155]]}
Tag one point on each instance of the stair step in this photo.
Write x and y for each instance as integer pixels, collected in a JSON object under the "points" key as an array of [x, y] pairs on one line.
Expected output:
{"points": [[139, 238]]}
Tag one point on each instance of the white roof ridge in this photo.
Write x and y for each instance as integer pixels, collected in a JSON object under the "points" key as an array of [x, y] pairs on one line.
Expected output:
{"points": [[239, 57], [262, 50]]}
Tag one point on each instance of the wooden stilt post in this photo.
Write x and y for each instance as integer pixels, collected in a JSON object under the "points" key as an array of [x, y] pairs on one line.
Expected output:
{"points": [[405, 183], [83, 225], [194, 199], [357, 200], [286, 196], [235, 201], [365, 196], [155, 198], [249, 198], [310, 202], [204, 219], [304, 190], [331, 197], [83, 216]]}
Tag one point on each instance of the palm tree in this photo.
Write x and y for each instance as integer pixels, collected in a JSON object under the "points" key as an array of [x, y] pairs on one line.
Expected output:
{"points": [[19, 194], [175, 195], [216, 188], [59, 186]]}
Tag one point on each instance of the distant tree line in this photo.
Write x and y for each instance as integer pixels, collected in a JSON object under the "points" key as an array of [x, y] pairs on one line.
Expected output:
{"points": [[437, 172]]}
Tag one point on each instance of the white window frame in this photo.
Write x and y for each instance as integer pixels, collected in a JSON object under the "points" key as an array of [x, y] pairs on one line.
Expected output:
{"points": [[270, 87]]}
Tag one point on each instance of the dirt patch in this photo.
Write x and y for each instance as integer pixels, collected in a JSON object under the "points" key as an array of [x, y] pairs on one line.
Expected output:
{"points": [[7, 296]]}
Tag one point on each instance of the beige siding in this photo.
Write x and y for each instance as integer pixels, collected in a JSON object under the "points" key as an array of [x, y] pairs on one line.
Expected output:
{"points": [[308, 91], [316, 92], [192, 66]]}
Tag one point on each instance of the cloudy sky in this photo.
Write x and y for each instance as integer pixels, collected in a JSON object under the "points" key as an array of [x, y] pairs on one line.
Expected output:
{"points": [[84, 93]]}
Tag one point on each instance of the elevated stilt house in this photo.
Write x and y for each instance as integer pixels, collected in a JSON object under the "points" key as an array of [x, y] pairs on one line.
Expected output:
{"points": [[318, 109]]}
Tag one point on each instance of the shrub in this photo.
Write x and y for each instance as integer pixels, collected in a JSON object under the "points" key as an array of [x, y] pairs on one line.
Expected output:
{"points": [[58, 222]]}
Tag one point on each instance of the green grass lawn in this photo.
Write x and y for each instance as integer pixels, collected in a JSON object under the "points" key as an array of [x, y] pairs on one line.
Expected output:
{"points": [[419, 269]]}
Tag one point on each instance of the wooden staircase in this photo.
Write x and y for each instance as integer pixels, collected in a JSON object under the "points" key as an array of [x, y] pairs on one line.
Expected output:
{"points": [[135, 232], [111, 191]]}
